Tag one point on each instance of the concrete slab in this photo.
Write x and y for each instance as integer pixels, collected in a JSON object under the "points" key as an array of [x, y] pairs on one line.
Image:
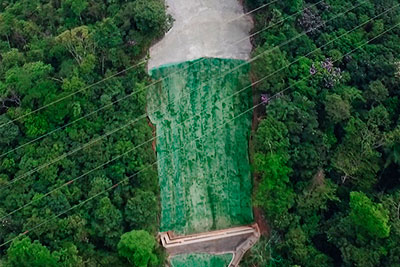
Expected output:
{"points": [[235, 240], [203, 28]]}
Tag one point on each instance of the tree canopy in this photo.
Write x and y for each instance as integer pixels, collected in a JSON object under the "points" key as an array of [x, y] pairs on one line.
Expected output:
{"points": [[56, 54], [138, 247], [326, 147]]}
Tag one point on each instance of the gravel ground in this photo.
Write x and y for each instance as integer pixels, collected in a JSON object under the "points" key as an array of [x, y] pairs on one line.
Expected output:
{"points": [[203, 28]]}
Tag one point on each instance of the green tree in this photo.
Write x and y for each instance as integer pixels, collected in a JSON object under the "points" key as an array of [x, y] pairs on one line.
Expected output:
{"points": [[35, 125], [107, 35], [376, 92], [392, 147], [98, 185], [138, 248], [108, 39], [78, 42], [9, 132], [22, 80], [142, 210], [149, 16], [313, 202], [12, 58], [369, 217], [299, 250], [68, 256], [274, 193], [357, 158], [272, 136], [337, 108], [77, 6], [107, 222], [272, 64], [25, 253]]}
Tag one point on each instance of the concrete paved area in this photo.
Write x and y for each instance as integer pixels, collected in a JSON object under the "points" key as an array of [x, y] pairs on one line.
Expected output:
{"points": [[203, 28], [236, 240]]}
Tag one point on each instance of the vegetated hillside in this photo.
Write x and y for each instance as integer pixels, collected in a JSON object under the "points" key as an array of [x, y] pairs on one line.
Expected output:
{"points": [[328, 148], [54, 49]]}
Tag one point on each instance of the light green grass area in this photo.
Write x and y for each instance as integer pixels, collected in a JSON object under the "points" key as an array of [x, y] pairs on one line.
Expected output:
{"points": [[205, 185], [201, 260]]}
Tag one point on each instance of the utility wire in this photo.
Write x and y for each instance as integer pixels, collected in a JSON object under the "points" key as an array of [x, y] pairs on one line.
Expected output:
{"points": [[133, 93], [278, 22], [200, 88], [130, 177], [144, 115], [116, 74]]}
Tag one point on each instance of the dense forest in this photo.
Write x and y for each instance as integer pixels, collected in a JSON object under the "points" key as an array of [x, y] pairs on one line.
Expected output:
{"points": [[327, 147], [325, 152], [56, 49]]}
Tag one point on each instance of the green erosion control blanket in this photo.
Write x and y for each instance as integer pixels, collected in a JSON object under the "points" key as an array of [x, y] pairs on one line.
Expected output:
{"points": [[203, 167], [201, 260]]}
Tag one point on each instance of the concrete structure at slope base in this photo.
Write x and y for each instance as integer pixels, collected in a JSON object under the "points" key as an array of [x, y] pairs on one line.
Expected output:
{"points": [[235, 241]]}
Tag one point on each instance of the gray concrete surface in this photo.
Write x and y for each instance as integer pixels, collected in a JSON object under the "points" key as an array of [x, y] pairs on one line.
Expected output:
{"points": [[235, 240], [203, 28]]}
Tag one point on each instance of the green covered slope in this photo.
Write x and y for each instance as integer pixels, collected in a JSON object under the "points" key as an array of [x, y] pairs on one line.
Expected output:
{"points": [[204, 171], [203, 260]]}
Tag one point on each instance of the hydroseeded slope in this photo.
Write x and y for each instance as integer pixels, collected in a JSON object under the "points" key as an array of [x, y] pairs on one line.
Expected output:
{"points": [[201, 260], [206, 185]]}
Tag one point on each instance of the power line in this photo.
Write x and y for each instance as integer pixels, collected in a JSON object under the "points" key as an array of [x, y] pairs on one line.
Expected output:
{"points": [[252, 84], [278, 22], [145, 115], [130, 177], [114, 75], [133, 93]]}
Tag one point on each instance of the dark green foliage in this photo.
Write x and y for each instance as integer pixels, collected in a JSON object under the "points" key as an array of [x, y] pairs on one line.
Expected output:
{"points": [[376, 92], [274, 185], [141, 209], [24, 253], [9, 132], [49, 50], [369, 217], [150, 16], [337, 109], [106, 222], [138, 248], [271, 62], [327, 150]]}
